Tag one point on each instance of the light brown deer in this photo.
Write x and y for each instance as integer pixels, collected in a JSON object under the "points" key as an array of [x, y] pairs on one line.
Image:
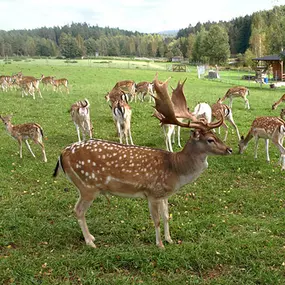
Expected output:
{"points": [[100, 167], [277, 103], [122, 114], [80, 114], [28, 80], [57, 83], [217, 109], [282, 114], [116, 94], [129, 87], [267, 128], [23, 132], [143, 89], [47, 80], [235, 92]]}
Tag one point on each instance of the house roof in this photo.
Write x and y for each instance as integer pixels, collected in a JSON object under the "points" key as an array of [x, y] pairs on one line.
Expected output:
{"points": [[271, 57]]}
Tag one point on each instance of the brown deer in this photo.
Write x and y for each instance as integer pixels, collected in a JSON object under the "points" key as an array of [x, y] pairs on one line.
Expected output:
{"points": [[80, 114], [217, 109], [24, 81], [116, 94], [122, 114], [129, 87], [57, 83], [235, 92], [268, 128], [100, 167], [24, 132], [144, 88], [277, 103], [47, 80]]}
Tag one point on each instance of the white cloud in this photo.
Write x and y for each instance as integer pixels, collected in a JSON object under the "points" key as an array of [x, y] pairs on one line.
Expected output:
{"points": [[140, 15]]}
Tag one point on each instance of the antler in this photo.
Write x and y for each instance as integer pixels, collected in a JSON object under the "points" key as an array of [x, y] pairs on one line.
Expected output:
{"points": [[165, 107]]}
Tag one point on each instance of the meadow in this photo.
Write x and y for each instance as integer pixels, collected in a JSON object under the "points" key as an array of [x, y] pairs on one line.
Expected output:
{"points": [[228, 226]]}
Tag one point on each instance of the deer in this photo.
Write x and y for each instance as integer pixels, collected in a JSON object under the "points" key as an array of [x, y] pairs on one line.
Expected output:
{"points": [[181, 111], [24, 81], [116, 94], [129, 87], [203, 110], [282, 114], [122, 114], [80, 115], [103, 167], [47, 80], [234, 92], [23, 132], [217, 109], [144, 88], [278, 102], [268, 128], [60, 82]]}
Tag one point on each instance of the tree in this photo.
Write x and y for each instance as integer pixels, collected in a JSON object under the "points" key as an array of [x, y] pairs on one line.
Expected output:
{"points": [[216, 45]]}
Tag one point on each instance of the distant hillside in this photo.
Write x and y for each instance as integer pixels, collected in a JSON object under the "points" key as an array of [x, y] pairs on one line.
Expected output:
{"points": [[171, 33]]}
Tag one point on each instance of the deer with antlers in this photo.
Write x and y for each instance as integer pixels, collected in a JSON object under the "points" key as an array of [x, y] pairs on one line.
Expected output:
{"points": [[80, 115], [278, 102], [217, 109], [100, 167], [268, 128], [182, 112], [23, 132], [235, 92]]}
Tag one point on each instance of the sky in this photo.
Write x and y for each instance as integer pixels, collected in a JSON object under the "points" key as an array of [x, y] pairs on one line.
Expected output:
{"points": [[146, 16]]}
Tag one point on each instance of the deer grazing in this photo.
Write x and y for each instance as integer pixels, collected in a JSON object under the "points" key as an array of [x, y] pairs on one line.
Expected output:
{"points": [[24, 132], [122, 114], [101, 167], [234, 92], [267, 128], [217, 109], [80, 114], [277, 103]]}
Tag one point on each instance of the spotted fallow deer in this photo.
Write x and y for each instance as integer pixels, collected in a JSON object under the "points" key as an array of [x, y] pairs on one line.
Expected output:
{"points": [[277, 103], [235, 92], [267, 128], [57, 83], [217, 109], [116, 94], [80, 115], [25, 81], [101, 167], [23, 132], [282, 114], [47, 80]]}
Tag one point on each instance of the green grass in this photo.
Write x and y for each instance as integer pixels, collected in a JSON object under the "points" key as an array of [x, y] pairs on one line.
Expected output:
{"points": [[228, 227]]}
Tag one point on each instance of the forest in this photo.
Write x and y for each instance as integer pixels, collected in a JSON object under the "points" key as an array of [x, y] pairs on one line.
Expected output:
{"points": [[212, 42]]}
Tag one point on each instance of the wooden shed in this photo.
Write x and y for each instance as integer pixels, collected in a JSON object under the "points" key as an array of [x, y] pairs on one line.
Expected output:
{"points": [[276, 63]]}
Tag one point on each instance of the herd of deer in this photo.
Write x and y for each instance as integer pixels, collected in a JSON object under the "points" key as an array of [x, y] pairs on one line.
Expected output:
{"points": [[98, 166]]}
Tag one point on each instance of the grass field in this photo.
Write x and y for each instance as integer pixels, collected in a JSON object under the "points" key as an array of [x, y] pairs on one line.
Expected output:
{"points": [[228, 227]]}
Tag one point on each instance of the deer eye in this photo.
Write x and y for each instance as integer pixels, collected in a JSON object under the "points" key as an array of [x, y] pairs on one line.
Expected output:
{"points": [[210, 140]]}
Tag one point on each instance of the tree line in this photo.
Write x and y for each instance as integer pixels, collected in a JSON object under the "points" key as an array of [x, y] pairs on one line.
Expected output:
{"points": [[212, 42]]}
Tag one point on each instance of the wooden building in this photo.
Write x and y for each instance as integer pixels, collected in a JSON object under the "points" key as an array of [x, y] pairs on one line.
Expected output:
{"points": [[275, 62]]}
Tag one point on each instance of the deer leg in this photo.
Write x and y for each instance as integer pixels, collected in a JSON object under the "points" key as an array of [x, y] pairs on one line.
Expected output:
{"points": [[154, 211], [247, 103], [226, 131], [78, 132], [266, 149], [20, 147], [178, 136], [43, 149], [279, 145], [80, 209], [231, 102], [230, 119], [130, 135], [256, 146], [165, 216], [29, 148]]}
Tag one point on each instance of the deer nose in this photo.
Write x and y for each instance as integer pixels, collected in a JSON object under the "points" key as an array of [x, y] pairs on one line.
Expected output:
{"points": [[229, 150]]}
